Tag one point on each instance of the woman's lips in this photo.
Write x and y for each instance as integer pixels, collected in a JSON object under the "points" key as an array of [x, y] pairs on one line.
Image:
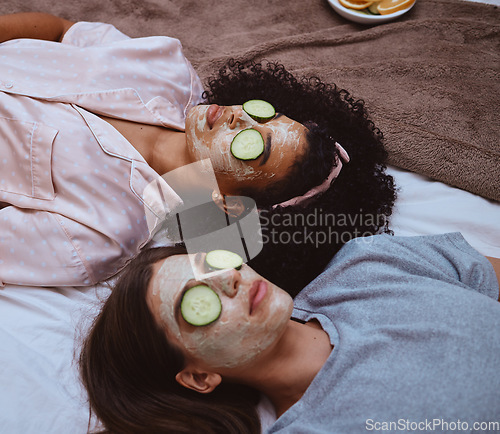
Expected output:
{"points": [[214, 112], [257, 293]]}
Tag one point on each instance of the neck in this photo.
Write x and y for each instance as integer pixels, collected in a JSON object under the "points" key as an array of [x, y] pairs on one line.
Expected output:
{"points": [[169, 151], [290, 369], [191, 182]]}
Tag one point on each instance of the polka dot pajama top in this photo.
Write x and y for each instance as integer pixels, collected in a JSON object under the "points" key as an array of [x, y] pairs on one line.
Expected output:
{"points": [[72, 204]]}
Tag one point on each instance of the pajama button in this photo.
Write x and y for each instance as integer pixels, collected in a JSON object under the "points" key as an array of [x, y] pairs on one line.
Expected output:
{"points": [[8, 85]]}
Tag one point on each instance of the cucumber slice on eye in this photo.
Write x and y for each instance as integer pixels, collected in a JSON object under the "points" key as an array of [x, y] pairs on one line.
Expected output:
{"points": [[200, 305], [223, 259], [259, 110], [247, 145]]}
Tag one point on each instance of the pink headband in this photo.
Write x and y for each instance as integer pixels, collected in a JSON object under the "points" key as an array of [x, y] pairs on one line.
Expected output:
{"points": [[325, 185]]}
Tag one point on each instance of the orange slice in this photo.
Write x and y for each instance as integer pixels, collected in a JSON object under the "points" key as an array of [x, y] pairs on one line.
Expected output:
{"points": [[386, 7], [356, 4]]}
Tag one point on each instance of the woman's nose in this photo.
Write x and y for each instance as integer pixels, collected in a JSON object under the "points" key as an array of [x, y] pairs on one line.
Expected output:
{"points": [[228, 282], [237, 117]]}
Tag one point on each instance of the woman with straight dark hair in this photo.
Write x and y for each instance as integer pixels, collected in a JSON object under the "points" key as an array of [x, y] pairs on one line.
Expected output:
{"points": [[135, 393], [179, 348]]}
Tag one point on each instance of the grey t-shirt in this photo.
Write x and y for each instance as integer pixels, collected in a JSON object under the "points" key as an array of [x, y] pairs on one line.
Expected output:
{"points": [[415, 325]]}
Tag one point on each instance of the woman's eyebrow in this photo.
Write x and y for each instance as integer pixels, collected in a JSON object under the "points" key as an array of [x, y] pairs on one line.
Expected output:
{"points": [[267, 150], [177, 309], [198, 260]]}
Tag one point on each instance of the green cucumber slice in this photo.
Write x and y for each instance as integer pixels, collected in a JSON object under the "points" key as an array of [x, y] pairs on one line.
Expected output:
{"points": [[200, 305], [259, 110], [247, 145], [223, 259], [373, 8]]}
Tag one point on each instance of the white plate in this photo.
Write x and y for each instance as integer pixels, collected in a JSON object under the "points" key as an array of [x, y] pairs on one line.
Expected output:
{"points": [[364, 18]]}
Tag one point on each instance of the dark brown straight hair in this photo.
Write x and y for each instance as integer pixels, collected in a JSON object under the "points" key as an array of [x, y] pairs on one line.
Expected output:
{"points": [[128, 368]]}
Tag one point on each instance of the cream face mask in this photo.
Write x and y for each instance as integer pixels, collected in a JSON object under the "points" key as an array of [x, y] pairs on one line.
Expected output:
{"points": [[241, 147], [253, 316]]}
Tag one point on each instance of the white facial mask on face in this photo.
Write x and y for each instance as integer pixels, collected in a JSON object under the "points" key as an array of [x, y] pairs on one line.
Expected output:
{"points": [[286, 138], [236, 337], [219, 151]]}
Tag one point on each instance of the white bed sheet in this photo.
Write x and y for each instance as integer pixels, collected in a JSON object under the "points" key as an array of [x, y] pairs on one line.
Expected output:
{"points": [[40, 327], [39, 387], [428, 207]]}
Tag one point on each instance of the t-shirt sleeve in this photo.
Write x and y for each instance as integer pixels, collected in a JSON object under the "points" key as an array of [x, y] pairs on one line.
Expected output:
{"points": [[473, 269], [384, 260], [445, 257], [87, 34]]}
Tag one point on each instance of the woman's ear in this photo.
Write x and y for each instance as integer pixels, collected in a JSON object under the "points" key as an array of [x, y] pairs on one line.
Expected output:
{"points": [[233, 206], [197, 380]]}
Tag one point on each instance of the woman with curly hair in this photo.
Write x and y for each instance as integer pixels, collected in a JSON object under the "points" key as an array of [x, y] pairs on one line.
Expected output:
{"points": [[117, 113], [300, 237]]}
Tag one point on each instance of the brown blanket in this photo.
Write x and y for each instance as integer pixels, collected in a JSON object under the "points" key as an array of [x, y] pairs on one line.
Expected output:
{"points": [[430, 79]]}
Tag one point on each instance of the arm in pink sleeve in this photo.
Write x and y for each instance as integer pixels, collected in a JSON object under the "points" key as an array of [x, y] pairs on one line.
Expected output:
{"points": [[36, 250]]}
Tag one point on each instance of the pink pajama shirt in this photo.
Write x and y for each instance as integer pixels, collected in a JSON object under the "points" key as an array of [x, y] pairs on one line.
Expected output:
{"points": [[71, 186]]}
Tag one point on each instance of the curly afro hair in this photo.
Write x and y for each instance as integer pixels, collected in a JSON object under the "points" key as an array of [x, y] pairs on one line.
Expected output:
{"points": [[299, 241]]}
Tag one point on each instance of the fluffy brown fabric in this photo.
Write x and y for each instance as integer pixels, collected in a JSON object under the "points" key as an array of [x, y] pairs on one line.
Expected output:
{"points": [[429, 79]]}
